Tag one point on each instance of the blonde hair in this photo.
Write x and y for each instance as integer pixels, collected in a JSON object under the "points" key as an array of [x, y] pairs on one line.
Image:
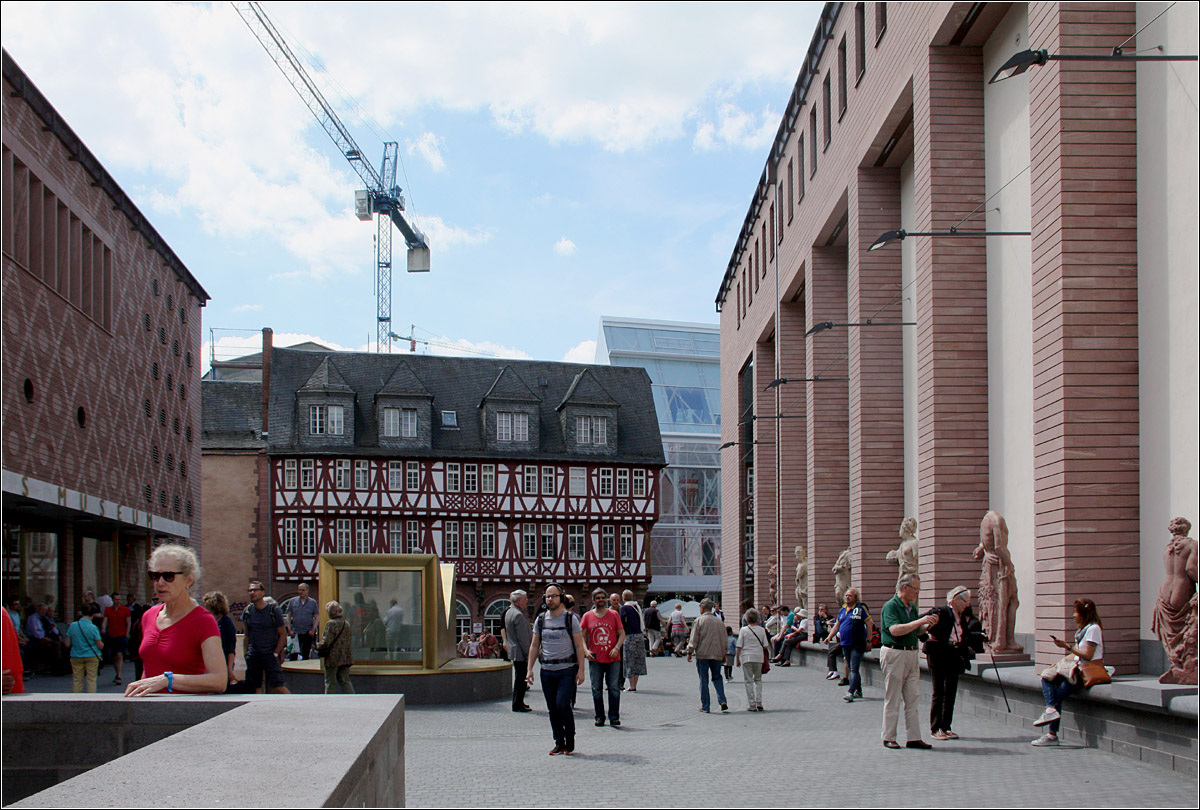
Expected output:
{"points": [[189, 564]]}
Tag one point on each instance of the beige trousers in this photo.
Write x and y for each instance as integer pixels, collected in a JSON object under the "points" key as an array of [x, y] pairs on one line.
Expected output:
{"points": [[901, 684]]}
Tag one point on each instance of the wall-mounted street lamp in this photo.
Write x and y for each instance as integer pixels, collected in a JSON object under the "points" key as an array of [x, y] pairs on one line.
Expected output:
{"points": [[823, 325], [1023, 61], [733, 444], [785, 380], [899, 235]]}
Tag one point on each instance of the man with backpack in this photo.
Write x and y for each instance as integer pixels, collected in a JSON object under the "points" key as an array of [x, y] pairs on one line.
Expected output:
{"points": [[266, 636]]}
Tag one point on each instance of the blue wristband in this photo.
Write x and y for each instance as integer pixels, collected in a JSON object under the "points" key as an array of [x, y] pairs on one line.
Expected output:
{"points": [[170, 680]]}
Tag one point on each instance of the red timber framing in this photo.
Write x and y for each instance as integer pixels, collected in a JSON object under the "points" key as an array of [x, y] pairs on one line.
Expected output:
{"points": [[597, 534]]}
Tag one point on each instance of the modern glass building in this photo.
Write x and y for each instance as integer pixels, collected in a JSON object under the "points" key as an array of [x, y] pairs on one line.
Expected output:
{"points": [[683, 360]]}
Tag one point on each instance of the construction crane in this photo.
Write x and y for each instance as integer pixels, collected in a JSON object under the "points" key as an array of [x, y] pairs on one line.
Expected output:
{"points": [[380, 199]]}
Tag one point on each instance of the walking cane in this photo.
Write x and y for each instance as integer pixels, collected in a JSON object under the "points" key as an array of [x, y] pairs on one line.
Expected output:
{"points": [[998, 681]]}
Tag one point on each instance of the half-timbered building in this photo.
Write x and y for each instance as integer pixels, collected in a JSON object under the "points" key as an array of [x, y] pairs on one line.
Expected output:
{"points": [[518, 472]]}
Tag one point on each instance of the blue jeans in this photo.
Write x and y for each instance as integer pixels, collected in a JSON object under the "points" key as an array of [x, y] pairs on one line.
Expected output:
{"points": [[558, 686], [710, 669], [606, 674], [1054, 693], [853, 660]]}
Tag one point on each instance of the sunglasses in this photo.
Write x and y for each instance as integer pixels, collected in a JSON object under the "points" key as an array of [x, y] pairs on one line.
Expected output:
{"points": [[165, 576]]}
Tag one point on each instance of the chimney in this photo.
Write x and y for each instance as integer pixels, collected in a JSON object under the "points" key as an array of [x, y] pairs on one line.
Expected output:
{"points": [[267, 336]]}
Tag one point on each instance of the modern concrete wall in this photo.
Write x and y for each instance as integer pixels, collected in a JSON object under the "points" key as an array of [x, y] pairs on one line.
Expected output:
{"points": [[1167, 219], [1010, 302]]}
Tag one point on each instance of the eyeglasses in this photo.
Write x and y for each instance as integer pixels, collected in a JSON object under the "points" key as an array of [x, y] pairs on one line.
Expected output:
{"points": [[251, 590], [554, 596], [165, 576]]}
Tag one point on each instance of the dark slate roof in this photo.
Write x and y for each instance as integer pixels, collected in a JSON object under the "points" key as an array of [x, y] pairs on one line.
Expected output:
{"points": [[586, 390], [327, 377], [230, 415], [404, 383], [460, 384], [510, 387]]}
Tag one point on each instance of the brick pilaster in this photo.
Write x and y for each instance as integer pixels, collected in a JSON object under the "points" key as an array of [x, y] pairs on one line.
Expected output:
{"points": [[766, 535], [793, 455], [876, 388], [1085, 340], [951, 305], [828, 507]]}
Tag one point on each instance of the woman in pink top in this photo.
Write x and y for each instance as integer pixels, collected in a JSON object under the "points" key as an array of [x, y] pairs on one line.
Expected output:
{"points": [[181, 645]]}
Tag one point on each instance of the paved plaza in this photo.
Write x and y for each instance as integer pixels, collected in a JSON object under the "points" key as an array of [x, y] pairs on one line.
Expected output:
{"points": [[808, 748]]}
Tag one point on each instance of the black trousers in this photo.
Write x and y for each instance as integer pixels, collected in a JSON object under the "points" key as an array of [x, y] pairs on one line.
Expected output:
{"points": [[520, 687], [945, 664]]}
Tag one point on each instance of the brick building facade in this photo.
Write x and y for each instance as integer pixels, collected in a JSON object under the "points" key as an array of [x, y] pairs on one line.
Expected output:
{"points": [[1045, 376], [101, 396]]}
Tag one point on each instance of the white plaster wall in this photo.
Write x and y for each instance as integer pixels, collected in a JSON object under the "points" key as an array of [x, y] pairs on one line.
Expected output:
{"points": [[1167, 286], [1010, 303], [908, 275]]}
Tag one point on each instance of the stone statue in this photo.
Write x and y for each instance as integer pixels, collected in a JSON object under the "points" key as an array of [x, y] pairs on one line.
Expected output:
{"points": [[801, 578], [841, 576], [997, 584], [773, 579], [907, 555], [1175, 610]]}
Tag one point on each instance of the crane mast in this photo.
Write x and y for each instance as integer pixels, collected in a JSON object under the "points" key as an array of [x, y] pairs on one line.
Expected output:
{"points": [[381, 199]]}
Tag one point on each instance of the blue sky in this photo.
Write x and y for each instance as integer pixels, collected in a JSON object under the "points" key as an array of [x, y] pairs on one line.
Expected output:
{"points": [[567, 161]]}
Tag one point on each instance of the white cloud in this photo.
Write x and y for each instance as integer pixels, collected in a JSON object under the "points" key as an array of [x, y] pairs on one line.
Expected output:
{"points": [[582, 352], [444, 346], [446, 237], [247, 308], [564, 247], [736, 128], [429, 146]]}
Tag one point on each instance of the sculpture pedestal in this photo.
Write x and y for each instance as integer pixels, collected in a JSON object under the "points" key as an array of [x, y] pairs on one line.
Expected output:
{"points": [[1006, 659]]}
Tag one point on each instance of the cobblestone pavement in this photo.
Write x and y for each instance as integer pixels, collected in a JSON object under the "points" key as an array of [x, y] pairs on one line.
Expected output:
{"points": [[668, 754]]}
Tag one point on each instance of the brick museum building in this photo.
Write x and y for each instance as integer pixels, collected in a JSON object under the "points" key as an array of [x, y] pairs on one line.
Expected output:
{"points": [[518, 472], [1046, 371], [101, 395]]}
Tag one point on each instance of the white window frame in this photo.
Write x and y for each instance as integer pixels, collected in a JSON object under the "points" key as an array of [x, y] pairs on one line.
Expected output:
{"points": [[626, 542], [395, 475], [317, 420], [606, 482], [289, 473], [391, 422], [622, 483], [412, 476], [583, 430], [343, 534], [578, 482], [549, 542], [470, 478], [341, 476], [450, 538], [453, 477], [531, 479], [504, 426], [639, 483], [600, 430], [529, 545], [487, 540], [470, 547], [362, 536], [396, 536], [308, 537], [408, 423], [576, 542], [308, 473], [413, 537], [520, 427], [548, 480], [487, 478], [290, 547], [450, 419], [608, 542], [337, 423], [362, 474]]}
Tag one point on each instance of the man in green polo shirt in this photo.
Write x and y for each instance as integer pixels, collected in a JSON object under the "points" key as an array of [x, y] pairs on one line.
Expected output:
{"points": [[899, 662]]}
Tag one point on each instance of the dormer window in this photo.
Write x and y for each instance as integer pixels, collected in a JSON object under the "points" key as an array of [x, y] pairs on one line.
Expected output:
{"points": [[400, 423], [325, 420], [449, 419], [591, 430], [512, 427]]}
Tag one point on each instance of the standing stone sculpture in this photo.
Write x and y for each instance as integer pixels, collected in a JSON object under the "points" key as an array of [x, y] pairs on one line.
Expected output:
{"points": [[997, 584], [906, 556], [801, 578], [773, 579], [841, 576], [1175, 610]]}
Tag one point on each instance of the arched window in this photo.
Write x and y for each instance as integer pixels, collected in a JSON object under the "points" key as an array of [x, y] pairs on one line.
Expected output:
{"points": [[493, 617], [462, 619]]}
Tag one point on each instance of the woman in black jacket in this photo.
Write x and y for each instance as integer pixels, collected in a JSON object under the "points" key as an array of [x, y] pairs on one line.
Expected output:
{"points": [[947, 652]]}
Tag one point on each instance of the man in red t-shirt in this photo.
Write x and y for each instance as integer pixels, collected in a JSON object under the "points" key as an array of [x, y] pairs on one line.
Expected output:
{"points": [[116, 633], [603, 636]]}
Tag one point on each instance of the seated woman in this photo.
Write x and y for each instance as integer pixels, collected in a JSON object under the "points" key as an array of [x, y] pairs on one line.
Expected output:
{"points": [[1088, 646], [181, 645]]}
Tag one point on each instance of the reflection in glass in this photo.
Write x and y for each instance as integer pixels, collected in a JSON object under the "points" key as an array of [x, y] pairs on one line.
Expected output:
{"points": [[384, 611]]}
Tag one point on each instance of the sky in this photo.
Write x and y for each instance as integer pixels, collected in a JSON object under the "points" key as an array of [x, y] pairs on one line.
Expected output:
{"points": [[567, 161]]}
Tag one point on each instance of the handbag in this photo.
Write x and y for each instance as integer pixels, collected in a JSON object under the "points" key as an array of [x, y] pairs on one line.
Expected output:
{"points": [[1094, 673], [766, 665], [323, 651]]}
